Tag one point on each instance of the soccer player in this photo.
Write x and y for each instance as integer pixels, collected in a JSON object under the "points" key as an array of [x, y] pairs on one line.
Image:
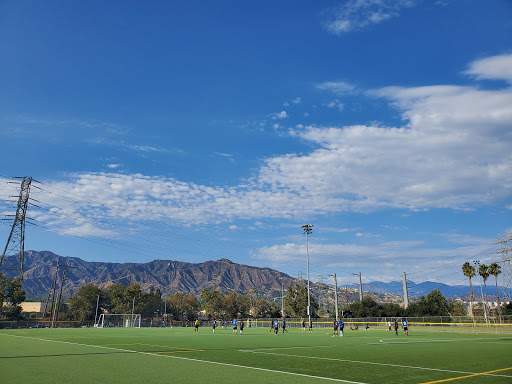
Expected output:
{"points": [[214, 325], [196, 325], [406, 329], [276, 327], [284, 326], [234, 326], [335, 329], [303, 324], [396, 327], [341, 324], [310, 326], [241, 327]]}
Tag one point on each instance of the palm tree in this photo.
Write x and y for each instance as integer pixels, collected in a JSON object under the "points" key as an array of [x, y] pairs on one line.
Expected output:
{"points": [[483, 270], [494, 269], [469, 271]]}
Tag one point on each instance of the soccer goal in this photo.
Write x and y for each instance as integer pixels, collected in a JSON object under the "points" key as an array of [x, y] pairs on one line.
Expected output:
{"points": [[118, 320]]}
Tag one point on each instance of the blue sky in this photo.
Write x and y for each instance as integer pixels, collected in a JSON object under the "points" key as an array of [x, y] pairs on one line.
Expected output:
{"points": [[200, 130]]}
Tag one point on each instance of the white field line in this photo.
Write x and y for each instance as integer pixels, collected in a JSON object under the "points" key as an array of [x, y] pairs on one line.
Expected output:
{"points": [[189, 359], [369, 362]]}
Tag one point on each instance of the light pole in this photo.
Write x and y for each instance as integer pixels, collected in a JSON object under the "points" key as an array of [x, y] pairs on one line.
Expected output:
{"points": [[282, 297], [307, 230]]}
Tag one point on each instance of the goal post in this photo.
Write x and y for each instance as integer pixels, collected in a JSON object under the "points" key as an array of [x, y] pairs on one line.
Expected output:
{"points": [[124, 320]]}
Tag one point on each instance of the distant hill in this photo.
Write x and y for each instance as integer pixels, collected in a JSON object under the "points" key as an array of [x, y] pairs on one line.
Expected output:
{"points": [[168, 275], [189, 278], [424, 288]]}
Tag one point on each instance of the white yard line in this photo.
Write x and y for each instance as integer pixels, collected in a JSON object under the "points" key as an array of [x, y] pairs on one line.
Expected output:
{"points": [[189, 359], [366, 362]]}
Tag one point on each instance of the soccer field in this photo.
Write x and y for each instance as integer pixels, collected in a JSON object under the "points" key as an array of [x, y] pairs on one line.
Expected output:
{"points": [[160, 355]]}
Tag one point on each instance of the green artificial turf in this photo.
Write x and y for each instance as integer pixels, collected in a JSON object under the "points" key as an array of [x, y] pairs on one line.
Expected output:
{"points": [[159, 355]]}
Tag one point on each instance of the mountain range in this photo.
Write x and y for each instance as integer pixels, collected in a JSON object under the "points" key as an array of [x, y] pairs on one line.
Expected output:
{"points": [[189, 278]]}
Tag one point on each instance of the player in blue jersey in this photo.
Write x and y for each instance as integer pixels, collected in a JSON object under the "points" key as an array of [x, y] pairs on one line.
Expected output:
{"points": [[234, 326], [406, 329], [341, 324], [284, 326], [276, 326]]}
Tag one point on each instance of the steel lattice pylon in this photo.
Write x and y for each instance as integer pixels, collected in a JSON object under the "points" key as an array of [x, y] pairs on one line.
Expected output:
{"points": [[14, 252], [505, 252]]}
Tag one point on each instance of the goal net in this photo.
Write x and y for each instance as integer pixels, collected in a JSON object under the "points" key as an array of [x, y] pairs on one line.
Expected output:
{"points": [[118, 320]]}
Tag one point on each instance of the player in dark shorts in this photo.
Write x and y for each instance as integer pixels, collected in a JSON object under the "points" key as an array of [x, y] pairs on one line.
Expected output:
{"points": [[276, 326], [303, 325], [335, 329], [271, 325], [284, 326], [396, 327], [310, 326], [241, 327], [235, 328], [406, 329]]}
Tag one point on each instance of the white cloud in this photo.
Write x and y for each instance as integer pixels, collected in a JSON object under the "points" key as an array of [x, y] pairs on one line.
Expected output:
{"points": [[337, 87], [383, 261], [354, 15], [453, 151], [280, 115], [493, 68], [336, 103], [297, 100], [113, 166]]}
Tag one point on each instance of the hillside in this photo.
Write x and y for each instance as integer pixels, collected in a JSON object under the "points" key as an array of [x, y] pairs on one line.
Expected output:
{"points": [[168, 275]]}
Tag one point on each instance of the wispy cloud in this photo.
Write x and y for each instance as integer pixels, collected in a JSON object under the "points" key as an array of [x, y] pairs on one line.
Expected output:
{"points": [[337, 87], [353, 15]]}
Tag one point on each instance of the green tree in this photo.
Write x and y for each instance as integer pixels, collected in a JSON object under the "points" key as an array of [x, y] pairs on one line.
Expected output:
{"points": [[296, 301], [483, 270], [11, 296], [392, 310], [121, 298], [366, 308], [264, 308], [469, 271], [214, 303], [434, 304], [83, 303]]}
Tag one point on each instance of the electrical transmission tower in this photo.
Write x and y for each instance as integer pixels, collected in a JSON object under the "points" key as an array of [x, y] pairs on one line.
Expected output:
{"points": [[505, 252], [13, 256]]}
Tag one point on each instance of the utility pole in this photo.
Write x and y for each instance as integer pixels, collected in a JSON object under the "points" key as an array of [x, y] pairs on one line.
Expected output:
{"points": [[60, 292], [13, 257], [53, 295], [406, 293], [307, 230]]}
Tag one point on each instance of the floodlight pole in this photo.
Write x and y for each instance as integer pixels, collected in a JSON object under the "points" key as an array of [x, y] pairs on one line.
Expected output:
{"points": [[307, 230], [282, 297], [336, 296]]}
